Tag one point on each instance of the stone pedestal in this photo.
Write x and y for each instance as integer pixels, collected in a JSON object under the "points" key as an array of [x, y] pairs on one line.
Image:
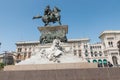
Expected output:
{"points": [[55, 66], [49, 33]]}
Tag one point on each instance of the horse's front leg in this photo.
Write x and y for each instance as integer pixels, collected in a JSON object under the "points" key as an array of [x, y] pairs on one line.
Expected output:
{"points": [[46, 23], [59, 23], [58, 19]]}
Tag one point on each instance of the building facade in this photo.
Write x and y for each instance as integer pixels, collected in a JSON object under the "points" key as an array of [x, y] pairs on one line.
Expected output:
{"points": [[25, 50], [111, 46], [105, 52], [8, 58]]}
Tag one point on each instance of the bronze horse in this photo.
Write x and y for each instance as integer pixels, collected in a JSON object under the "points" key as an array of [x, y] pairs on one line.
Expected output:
{"points": [[54, 17]]}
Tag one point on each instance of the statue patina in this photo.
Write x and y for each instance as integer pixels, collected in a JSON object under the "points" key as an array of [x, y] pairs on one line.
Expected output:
{"points": [[50, 15]]}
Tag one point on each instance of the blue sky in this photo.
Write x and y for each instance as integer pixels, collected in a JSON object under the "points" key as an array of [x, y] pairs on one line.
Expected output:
{"points": [[85, 19]]}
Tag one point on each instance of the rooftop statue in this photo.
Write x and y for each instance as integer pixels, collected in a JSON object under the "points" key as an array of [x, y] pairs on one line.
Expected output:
{"points": [[50, 15]]}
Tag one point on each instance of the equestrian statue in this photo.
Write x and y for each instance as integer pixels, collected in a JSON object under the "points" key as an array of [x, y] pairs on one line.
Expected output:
{"points": [[50, 15]]}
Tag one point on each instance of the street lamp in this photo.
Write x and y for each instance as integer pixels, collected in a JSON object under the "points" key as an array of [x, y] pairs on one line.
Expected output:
{"points": [[5, 57]]}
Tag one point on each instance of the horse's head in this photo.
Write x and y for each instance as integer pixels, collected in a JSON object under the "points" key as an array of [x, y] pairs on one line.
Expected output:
{"points": [[55, 9]]}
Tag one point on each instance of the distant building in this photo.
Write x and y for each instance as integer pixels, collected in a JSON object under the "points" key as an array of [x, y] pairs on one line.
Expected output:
{"points": [[1, 58], [97, 54], [111, 41], [26, 49], [8, 58], [105, 52]]}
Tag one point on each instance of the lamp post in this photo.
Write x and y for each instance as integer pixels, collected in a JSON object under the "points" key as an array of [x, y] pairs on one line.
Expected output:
{"points": [[5, 57]]}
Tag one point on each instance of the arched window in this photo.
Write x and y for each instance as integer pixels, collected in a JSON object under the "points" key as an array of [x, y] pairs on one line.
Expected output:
{"points": [[100, 63], [105, 62], [94, 61], [88, 61], [114, 58]]}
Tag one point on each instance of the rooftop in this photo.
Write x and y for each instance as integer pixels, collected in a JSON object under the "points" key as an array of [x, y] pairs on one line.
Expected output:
{"points": [[69, 40], [109, 32]]}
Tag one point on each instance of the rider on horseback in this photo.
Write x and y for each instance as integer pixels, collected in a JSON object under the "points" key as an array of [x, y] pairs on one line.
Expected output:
{"points": [[50, 15], [47, 12]]}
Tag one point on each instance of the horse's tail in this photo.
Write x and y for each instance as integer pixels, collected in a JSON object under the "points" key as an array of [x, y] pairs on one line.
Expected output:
{"points": [[36, 17]]}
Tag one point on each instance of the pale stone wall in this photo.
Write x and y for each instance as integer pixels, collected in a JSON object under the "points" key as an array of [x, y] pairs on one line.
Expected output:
{"points": [[50, 66], [63, 74]]}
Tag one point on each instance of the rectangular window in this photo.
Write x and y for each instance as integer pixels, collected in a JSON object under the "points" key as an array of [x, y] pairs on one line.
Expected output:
{"points": [[75, 52], [79, 53], [19, 49], [110, 44], [91, 54], [110, 38]]}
